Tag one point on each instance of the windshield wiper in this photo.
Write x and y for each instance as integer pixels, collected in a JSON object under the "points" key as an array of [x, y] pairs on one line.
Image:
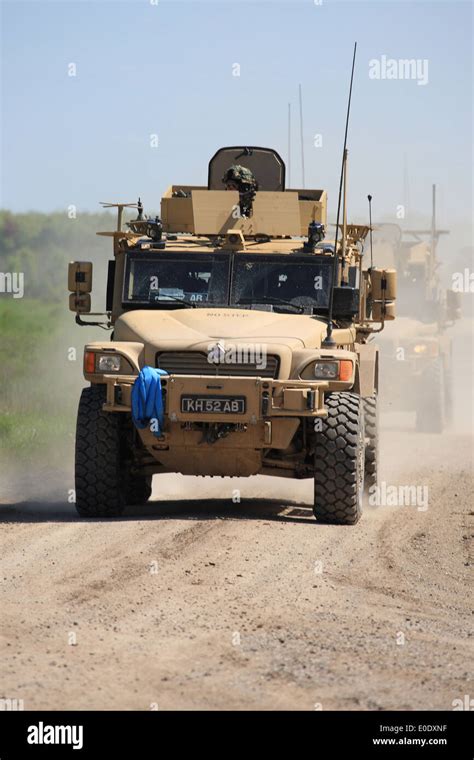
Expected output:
{"points": [[188, 304], [268, 299]]}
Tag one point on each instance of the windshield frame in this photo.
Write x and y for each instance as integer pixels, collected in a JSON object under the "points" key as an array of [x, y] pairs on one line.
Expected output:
{"points": [[231, 258]]}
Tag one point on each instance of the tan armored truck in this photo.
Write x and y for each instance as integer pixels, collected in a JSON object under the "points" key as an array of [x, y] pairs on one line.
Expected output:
{"points": [[256, 331], [417, 350]]}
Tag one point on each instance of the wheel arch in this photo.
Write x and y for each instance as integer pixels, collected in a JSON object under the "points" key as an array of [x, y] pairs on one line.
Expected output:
{"points": [[367, 371]]}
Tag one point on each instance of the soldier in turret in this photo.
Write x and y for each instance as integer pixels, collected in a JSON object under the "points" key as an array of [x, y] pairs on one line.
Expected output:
{"points": [[241, 179]]}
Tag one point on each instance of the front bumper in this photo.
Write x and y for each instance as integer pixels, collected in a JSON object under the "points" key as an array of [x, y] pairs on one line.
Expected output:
{"points": [[265, 398]]}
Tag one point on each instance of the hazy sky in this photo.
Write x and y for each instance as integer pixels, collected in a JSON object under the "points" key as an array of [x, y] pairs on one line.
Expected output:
{"points": [[167, 68]]}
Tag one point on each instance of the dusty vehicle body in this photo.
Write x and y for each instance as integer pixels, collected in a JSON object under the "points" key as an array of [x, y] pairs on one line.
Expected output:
{"points": [[417, 375], [234, 309], [417, 350]]}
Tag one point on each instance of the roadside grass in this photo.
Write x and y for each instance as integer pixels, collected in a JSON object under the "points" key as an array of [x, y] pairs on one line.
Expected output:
{"points": [[26, 432], [39, 386], [40, 382]]}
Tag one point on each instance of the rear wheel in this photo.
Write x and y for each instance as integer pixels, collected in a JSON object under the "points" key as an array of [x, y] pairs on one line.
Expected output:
{"points": [[138, 490], [100, 476], [339, 461], [371, 430]]}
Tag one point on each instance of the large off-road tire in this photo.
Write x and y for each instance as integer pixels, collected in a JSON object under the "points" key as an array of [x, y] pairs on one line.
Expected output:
{"points": [[138, 490], [371, 430], [339, 461], [431, 409], [100, 475]]}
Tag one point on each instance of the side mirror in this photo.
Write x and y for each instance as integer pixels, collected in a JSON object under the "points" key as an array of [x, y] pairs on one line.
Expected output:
{"points": [[80, 303], [383, 290], [383, 284], [80, 276], [453, 305], [80, 286], [383, 311]]}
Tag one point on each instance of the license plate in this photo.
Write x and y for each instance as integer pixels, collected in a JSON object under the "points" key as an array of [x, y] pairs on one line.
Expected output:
{"points": [[213, 404]]}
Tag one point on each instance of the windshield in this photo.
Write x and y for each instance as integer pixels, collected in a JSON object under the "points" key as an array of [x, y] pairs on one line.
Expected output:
{"points": [[415, 300], [302, 281], [280, 281], [196, 278]]}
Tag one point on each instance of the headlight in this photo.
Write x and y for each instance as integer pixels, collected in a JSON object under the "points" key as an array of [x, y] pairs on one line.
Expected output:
{"points": [[108, 363], [333, 370], [326, 370], [425, 349]]}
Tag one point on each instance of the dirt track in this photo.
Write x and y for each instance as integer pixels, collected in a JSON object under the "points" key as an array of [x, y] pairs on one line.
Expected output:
{"points": [[210, 604]]}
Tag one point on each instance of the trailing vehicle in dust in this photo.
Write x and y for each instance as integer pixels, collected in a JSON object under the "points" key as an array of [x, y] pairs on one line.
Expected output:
{"points": [[241, 344], [417, 351]]}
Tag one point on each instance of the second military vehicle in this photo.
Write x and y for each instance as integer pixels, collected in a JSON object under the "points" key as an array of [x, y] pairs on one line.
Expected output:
{"points": [[417, 351]]}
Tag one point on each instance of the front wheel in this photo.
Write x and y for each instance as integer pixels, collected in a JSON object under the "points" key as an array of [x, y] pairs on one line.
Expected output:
{"points": [[339, 461], [100, 486]]}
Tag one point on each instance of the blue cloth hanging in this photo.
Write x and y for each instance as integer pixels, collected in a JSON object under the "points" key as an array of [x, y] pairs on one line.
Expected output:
{"points": [[147, 399]]}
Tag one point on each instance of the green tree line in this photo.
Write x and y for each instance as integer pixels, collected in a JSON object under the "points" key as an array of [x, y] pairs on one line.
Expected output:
{"points": [[41, 245]]}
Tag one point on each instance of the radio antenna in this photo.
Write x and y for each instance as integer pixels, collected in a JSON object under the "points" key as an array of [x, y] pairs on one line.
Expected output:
{"points": [[301, 137], [329, 341], [289, 144], [369, 198]]}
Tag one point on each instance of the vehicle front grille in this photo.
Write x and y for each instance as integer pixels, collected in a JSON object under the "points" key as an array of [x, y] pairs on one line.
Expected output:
{"points": [[196, 363]]}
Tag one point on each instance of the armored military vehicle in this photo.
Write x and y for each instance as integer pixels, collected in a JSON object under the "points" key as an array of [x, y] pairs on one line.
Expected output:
{"points": [[417, 351], [241, 344]]}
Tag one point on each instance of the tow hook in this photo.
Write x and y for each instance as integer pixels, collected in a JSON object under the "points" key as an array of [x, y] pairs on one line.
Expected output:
{"points": [[214, 432]]}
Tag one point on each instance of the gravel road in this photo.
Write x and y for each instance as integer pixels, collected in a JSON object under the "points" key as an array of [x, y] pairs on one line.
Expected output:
{"points": [[199, 601]]}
